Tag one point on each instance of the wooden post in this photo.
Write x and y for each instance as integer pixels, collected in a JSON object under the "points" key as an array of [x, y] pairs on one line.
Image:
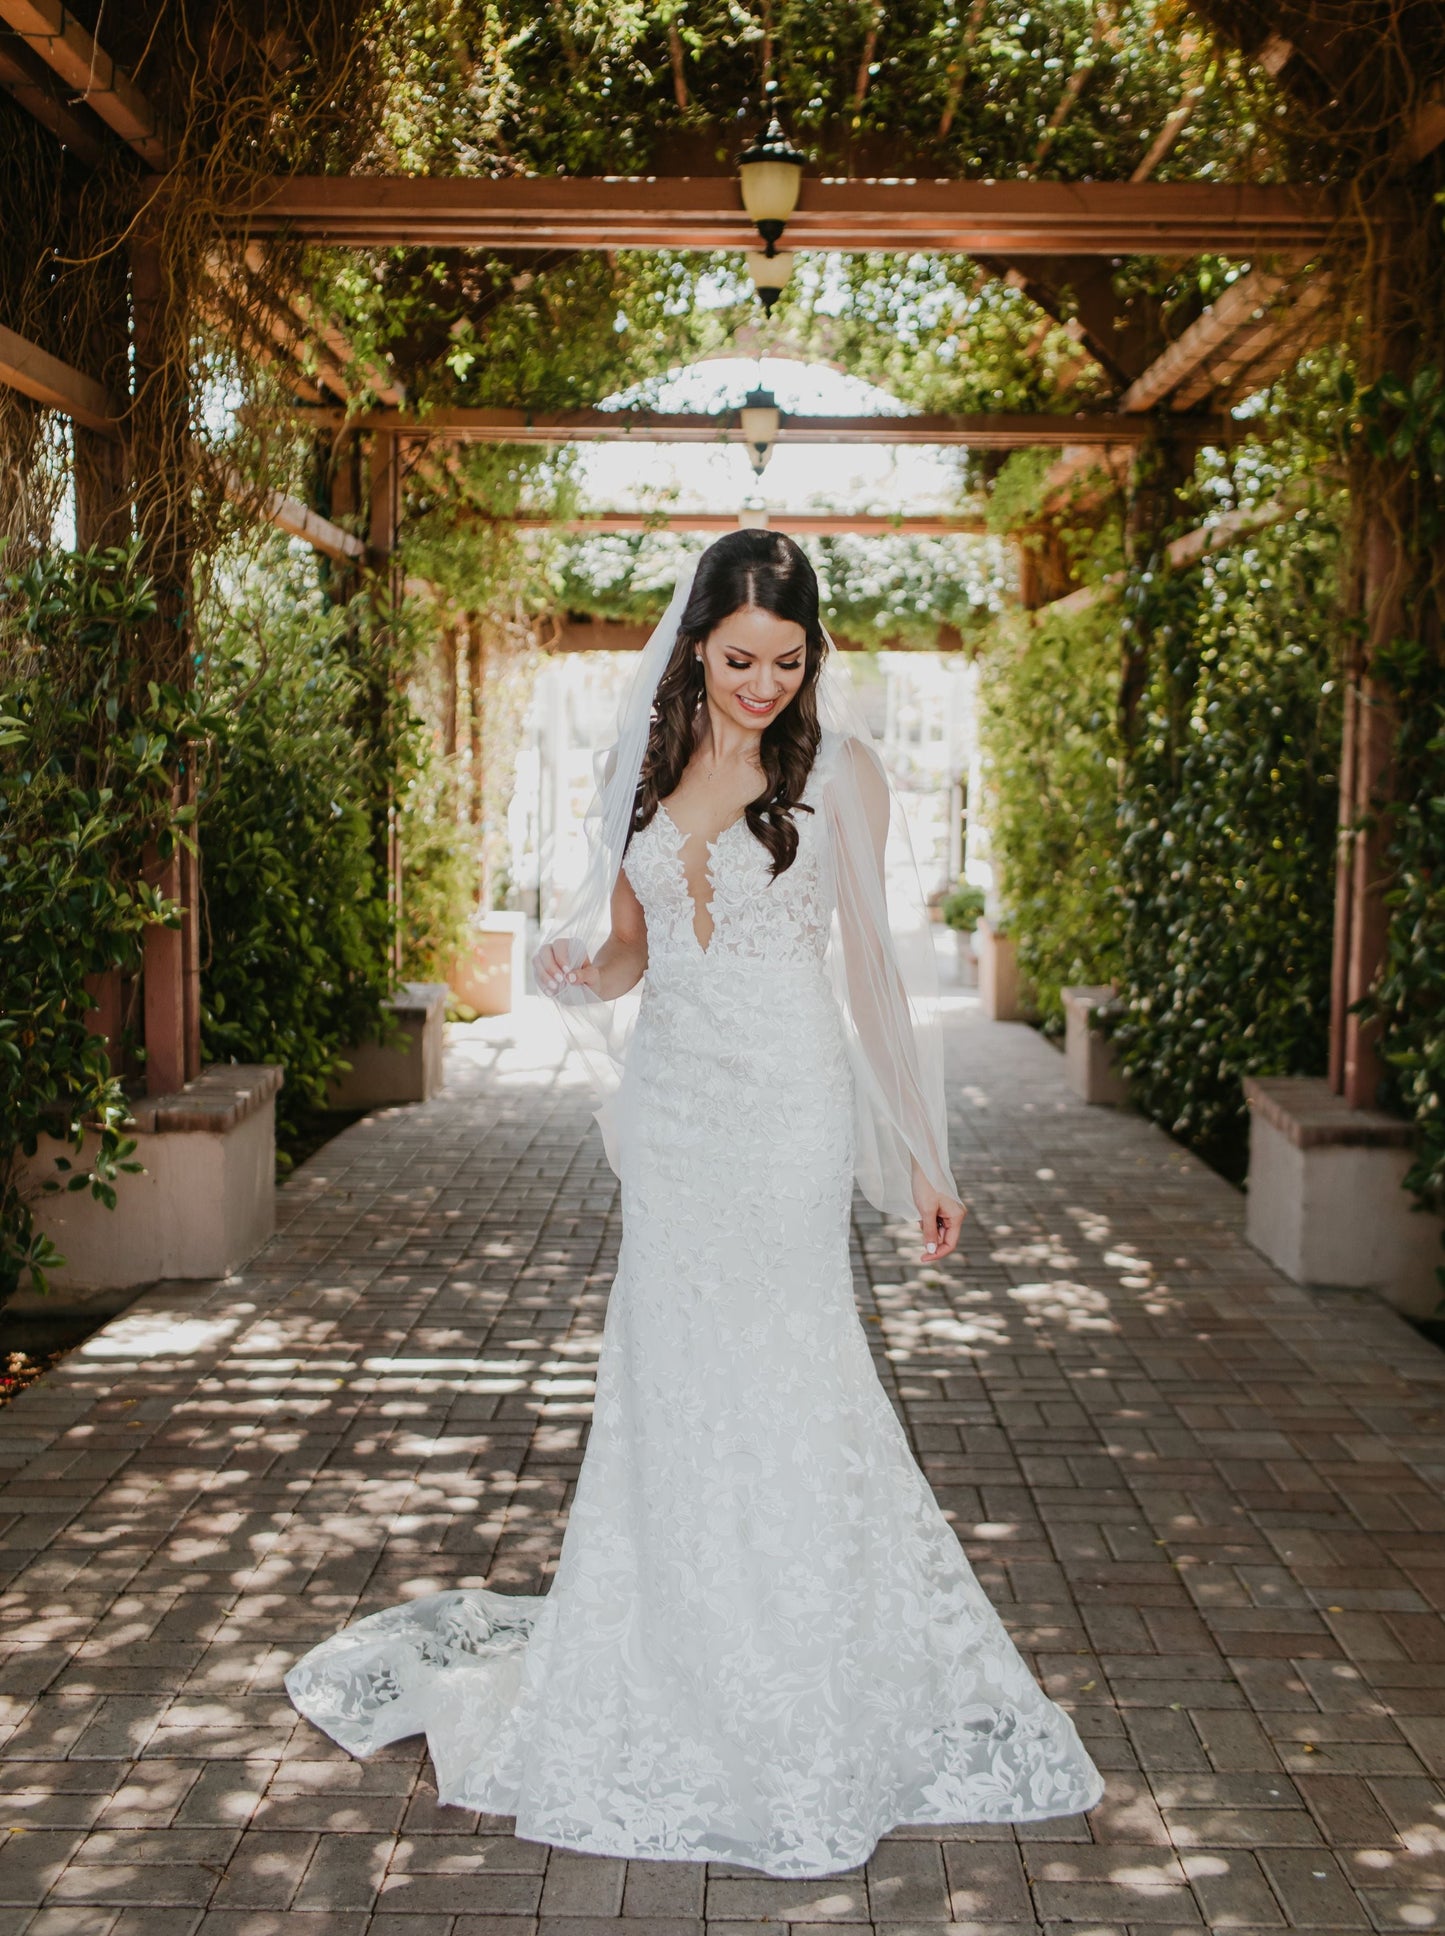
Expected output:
{"points": [[161, 459], [102, 499], [1344, 883], [1159, 469], [476, 775], [384, 524], [342, 495], [102, 506], [163, 986], [1380, 574], [449, 690], [1362, 924]]}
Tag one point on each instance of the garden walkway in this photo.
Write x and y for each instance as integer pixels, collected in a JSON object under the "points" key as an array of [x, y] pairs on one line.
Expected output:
{"points": [[1207, 1504]]}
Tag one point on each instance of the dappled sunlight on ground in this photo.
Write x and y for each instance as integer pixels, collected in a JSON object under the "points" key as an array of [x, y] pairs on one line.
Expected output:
{"points": [[1207, 1507]]}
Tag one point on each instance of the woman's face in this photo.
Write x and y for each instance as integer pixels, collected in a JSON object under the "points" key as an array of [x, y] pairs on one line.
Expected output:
{"points": [[754, 664]]}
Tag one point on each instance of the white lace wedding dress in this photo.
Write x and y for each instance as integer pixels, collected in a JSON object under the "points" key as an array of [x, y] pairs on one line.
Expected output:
{"points": [[763, 1644]]}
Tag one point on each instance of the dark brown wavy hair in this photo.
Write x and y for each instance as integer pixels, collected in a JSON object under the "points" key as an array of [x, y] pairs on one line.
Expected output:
{"points": [[764, 569]]}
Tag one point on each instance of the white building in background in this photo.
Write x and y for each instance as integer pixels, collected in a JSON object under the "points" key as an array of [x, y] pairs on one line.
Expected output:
{"points": [[921, 706]]}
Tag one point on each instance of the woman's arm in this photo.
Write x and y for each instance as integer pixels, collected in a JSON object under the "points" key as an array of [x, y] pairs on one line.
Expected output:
{"points": [[879, 1004], [620, 962]]}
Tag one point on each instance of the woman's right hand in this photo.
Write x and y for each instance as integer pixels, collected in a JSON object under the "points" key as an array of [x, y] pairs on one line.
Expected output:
{"points": [[562, 968]]}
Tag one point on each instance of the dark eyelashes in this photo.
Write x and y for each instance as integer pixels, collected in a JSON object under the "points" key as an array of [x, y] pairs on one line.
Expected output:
{"points": [[791, 665]]}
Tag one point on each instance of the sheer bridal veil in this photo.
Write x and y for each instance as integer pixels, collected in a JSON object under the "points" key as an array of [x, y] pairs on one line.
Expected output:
{"points": [[880, 954]]}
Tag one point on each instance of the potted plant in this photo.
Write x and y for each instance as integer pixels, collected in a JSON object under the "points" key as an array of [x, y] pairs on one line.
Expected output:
{"points": [[962, 910]]}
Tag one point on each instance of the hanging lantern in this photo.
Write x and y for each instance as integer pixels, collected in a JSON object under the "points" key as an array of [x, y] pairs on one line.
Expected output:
{"points": [[770, 274], [760, 422], [770, 174]]}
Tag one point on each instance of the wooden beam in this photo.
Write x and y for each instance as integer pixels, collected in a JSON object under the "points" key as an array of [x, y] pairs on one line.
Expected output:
{"points": [[1228, 530], [1426, 130], [227, 317], [1258, 353], [340, 349], [1274, 55], [970, 217], [1095, 471], [799, 525], [1241, 303], [1182, 552], [1067, 102], [1163, 144], [51, 31], [24, 366], [289, 514], [1001, 431], [33, 87], [1121, 334]]}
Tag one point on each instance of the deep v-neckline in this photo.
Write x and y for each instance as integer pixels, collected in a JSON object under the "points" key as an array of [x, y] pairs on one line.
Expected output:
{"points": [[710, 846]]}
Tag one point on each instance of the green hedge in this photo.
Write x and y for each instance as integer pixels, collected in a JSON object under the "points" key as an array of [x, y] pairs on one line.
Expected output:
{"points": [[297, 930], [1193, 865], [1052, 753], [1228, 814]]}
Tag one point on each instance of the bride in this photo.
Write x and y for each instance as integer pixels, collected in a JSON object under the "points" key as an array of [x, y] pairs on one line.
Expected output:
{"points": [[763, 1644]]}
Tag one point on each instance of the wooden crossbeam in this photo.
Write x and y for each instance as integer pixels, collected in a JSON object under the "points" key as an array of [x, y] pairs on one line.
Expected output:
{"points": [[1258, 352], [1227, 530], [229, 319], [1299, 328], [803, 524], [31, 84], [53, 33], [1426, 130], [326, 332], [1002, 431], [289, 514], [1242, 303], [254, 298], [35, 373], [1182, 552], [1163, 144], [971, 217]]}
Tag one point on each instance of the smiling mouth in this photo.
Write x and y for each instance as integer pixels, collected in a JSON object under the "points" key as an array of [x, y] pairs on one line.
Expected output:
{"points": [[756, 705]]}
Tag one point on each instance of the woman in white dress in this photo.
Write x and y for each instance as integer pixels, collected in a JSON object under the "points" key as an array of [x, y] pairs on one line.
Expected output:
{"points": [[763, 1644]]}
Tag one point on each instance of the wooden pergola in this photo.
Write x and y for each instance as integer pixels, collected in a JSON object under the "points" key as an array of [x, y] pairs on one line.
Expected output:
{"points": [[1028, 218], [1054, 240]]}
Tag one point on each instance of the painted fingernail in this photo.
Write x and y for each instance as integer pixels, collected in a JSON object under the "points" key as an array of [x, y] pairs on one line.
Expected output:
{"points": [[930, 1248]]}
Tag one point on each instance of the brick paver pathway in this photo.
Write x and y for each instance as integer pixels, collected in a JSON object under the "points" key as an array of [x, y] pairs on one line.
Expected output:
{"points": [[1207, 1504]]}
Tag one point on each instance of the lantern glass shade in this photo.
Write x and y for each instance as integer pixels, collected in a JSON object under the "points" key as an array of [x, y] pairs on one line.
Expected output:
{"points": [[760, 422], [770, 273], [770, 189], [770, 174]]}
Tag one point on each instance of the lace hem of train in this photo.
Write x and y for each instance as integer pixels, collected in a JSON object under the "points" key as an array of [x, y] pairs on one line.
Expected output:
{"points": [[453, 1667]]}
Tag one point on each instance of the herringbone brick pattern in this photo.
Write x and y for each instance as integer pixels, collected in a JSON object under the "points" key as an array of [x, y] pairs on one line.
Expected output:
{"points": [[1208, 1505]]}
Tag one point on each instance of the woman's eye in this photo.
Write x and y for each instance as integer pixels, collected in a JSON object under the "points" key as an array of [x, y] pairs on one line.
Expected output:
{"points": [[791, 666], [738, 665]]}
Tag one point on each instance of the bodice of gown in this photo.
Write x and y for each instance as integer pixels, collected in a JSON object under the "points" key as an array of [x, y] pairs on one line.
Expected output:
{"points": [[780, 921]]}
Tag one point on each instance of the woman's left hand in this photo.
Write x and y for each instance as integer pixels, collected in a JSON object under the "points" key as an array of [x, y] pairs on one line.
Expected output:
{"points": [[940, 1218]]}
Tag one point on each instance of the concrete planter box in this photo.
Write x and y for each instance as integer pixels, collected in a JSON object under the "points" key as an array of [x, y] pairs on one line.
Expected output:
{"points": [[966, 942], [1000, 989], [491, 976], [1088, 1053], [408, 1070], [1326, 1204], [207, 1199]]}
